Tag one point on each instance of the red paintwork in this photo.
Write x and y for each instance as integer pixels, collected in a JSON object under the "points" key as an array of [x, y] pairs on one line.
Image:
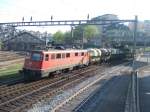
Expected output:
{"points": [[33, 65], [55, 63]]}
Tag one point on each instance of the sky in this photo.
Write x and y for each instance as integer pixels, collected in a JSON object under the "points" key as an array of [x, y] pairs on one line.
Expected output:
{"points": [[14, 10]]}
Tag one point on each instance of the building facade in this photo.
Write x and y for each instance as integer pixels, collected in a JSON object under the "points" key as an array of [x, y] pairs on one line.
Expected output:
{"points": [[23, 42]]}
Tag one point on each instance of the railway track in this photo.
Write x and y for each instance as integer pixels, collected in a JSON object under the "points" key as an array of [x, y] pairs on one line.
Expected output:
{"points": [[10, 56], [37, 83], [11, 81], [88, 95], [18, 97]]}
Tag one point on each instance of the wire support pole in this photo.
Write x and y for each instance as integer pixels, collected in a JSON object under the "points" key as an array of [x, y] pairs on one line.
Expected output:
{"points": [[134, 42], [134, 75]]}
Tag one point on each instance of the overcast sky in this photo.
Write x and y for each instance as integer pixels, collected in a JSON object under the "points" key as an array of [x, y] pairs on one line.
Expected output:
{"points": [[14, 10]]}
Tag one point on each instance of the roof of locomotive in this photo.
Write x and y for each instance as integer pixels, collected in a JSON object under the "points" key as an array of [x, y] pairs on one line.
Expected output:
{"points": [[60, 51]]}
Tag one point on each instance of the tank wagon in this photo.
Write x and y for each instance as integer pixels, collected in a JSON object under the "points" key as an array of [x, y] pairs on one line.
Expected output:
{"points": [[120, 54], [95, 55], [106, 54]]}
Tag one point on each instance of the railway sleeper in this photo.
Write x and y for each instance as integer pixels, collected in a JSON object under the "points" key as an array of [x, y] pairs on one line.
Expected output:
{"points": [[4, 109], [49, 89], [10, 107], [17, 103], [64, 109], [5, 98], [23, 101], [26, 105]]}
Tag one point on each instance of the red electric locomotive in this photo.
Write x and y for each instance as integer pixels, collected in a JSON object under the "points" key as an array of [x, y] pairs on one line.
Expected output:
{"points": [[43, 63]]}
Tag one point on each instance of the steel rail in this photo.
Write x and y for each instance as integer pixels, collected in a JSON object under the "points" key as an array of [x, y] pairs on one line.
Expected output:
{"points": [[58, 83], [62, 104]]}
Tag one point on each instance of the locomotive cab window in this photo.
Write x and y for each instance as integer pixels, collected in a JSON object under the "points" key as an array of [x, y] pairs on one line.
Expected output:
{"points": [[36, 57], [58, 56], [46, 57]]}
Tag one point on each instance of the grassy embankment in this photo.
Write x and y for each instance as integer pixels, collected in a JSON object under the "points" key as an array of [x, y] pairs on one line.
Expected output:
{"points": [[10, 71], [147, 49]]}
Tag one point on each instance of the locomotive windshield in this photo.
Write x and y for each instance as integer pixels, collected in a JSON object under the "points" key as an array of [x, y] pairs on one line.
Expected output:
{"points": [[36, 57]]}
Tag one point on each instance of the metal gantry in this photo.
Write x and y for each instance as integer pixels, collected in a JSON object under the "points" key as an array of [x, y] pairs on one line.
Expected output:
{"points": [[65, 22], [102, 22]]}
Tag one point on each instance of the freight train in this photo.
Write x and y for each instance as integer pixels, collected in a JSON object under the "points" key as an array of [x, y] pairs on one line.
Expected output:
{"points": [[42, 63]]}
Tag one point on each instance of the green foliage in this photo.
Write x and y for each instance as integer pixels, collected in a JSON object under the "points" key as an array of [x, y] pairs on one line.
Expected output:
{"points": [[147, 49], [120, 31], [87, 31], [67, 37], [58, 37], [78, 32], [90, 31], [10, 71]]}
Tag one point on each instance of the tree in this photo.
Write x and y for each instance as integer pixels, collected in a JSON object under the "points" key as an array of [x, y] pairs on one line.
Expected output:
{"points": [[90, 31], [78, 32], [58, 37], [68, 38], [118, 32]]}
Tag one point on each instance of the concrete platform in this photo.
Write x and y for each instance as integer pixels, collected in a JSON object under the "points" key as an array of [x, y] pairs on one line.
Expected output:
{"points": [[110, 98], [144, 90]]}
